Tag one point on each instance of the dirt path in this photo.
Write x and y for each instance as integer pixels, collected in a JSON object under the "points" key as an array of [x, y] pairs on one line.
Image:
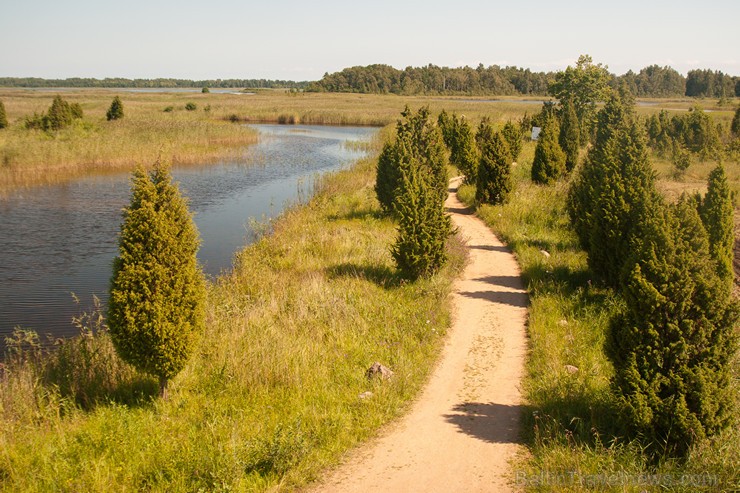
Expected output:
{"points": [[463, 430]]}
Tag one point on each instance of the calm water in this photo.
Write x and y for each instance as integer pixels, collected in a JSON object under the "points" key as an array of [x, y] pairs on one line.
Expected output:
{"points": [[62, 239]]}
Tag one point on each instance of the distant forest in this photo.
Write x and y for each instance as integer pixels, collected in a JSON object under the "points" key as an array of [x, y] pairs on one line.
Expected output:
{"points": [[653, 81], [151, 83]]}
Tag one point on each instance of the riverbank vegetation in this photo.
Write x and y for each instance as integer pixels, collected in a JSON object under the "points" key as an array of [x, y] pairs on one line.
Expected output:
{"points": [[276, 389]]}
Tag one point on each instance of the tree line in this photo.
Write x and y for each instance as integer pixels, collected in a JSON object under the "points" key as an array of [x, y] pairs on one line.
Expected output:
{"points": [[162, 83], [651, 81]]}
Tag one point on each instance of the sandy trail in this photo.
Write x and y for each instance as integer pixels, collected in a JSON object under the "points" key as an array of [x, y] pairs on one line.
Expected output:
{"points": [[464, 429]]}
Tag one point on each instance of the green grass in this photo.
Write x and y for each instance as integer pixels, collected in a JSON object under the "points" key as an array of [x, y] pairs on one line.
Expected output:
{"points": [[271, 396], [571, 424]]}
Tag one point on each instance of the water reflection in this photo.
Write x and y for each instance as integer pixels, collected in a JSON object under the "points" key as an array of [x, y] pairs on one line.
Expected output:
{"points": [[61, 239]]}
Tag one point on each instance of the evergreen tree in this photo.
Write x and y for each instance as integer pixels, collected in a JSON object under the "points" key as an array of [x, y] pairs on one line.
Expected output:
{"points": [[75, 110], [447, 127], [512, 134], [157, 291], [672, 348], [59, 115], [3, 116], [394, 156], [549, 160], [463, 154], [586, 187], [494, 170], [735, 126], [115, 112], [423, 226], [625, 194], [717, 213], [419, 140], [569, 137]]}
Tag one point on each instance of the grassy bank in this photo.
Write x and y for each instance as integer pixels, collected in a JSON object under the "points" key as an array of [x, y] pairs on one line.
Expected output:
{"points": [[272, 394], [570, 417]]}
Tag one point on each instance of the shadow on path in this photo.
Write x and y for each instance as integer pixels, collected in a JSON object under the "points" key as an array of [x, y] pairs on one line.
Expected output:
{"points": [[490, 422]]}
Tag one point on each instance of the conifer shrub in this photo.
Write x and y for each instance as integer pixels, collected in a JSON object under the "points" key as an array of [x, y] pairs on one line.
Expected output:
{"points": [[586, 186], [3, 116], [59, 115], [549, 159], [191, 106], [423, 227], [672, 348], [717, 214], [76, 110], [512, 134], [735, 125], [417, 139], [628, 189], [157, 291], [570, 134], [411, 182], [115, 112], [388, 176], [464, 154], [494, 169]]}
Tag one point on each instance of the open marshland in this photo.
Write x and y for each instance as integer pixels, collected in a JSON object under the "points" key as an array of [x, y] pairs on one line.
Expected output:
{"points": [[272, 395]]}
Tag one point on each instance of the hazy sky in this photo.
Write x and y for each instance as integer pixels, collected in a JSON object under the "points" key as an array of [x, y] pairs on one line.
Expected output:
{"points": [[301, 40]]}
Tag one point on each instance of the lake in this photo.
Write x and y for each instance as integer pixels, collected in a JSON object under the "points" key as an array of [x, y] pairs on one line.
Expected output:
{"points": [[61, 239]]}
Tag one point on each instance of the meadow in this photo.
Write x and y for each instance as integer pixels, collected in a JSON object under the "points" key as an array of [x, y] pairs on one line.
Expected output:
{"points": [[273, 393]]}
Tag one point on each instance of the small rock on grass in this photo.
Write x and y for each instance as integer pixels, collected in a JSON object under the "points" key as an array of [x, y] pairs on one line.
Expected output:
{"points": [[379, 370]]}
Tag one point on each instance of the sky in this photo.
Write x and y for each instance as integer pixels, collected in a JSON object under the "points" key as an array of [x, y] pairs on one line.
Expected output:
{"points": [[302, 40]]}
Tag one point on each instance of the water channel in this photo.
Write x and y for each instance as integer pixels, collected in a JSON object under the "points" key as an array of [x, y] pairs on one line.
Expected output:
{"points": [[58, 240]]}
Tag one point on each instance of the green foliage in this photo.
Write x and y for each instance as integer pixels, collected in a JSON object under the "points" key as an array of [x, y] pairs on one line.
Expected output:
{"points": [[157, 292], [512, 134], [3, 116], [463, 153], [549, 159], [585, 188], [59, 115], [423, 227], [735, 126], [569, 137], [680, 157], [624, 196], [419, 141], [205, 90], [76, 111], [191, 106], [694, 131], [673, 345], [494, 170], [583, 86], [115, 112], [388, 176], [717, 214]]}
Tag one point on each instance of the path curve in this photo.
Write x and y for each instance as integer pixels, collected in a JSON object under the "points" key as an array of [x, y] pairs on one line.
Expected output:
{"points": [[463, 431]]}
